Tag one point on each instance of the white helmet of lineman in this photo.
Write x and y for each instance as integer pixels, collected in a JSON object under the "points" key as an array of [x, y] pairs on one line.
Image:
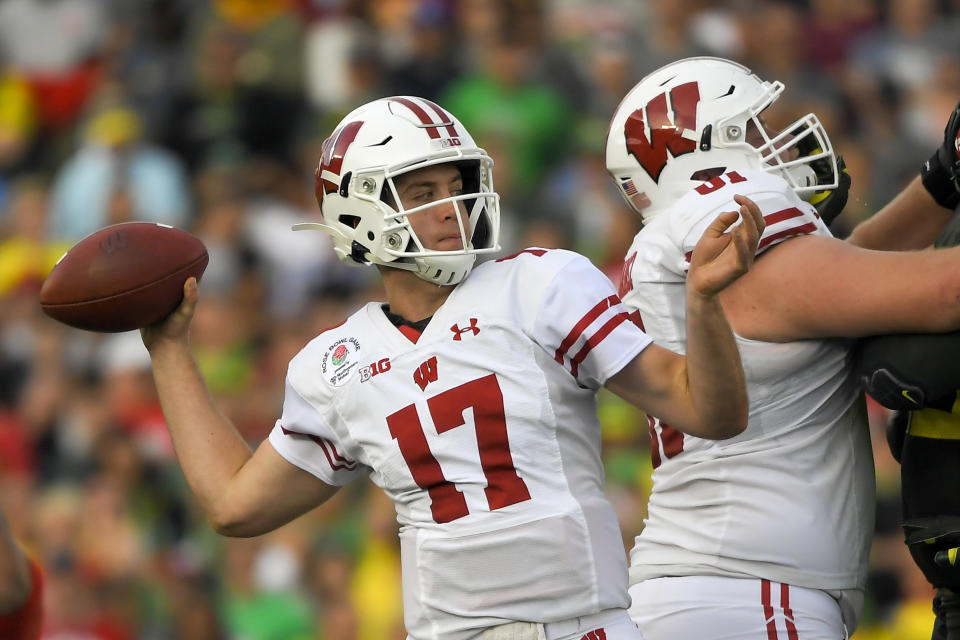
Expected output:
{"points": [[694, 119], [355, 188]]}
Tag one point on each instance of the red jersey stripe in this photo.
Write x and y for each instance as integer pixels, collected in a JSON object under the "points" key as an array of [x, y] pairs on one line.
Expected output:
{"points": [[336, 461], [774, 218], [583, 323], [596, 339], [654, 442], [672, 440], [636, 319], [783, 214], [786, 233], [333, 456]]}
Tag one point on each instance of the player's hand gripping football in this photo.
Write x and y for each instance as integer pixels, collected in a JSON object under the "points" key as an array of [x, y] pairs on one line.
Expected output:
{"points": [[719, 257], [175, 326]]}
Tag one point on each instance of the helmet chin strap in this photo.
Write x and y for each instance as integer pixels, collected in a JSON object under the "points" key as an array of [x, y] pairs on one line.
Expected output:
{"points": [[802, 176], [445, 270]]}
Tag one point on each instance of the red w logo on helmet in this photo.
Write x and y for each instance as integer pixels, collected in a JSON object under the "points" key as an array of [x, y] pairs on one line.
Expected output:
{"points": [[331, 157], [665, 132]]}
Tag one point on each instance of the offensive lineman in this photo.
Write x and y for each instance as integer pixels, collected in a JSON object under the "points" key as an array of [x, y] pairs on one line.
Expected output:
{"points": [[765, 535], [469, 397]]}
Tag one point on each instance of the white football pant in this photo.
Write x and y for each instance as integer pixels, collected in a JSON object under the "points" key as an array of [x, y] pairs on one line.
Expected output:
{"points": [[717, 608]]}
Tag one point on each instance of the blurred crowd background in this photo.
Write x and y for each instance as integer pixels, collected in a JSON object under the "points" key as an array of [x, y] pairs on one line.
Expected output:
{"points": [[208, 115]]}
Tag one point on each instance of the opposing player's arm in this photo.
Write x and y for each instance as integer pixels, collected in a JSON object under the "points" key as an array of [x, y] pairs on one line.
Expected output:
{"points": [[704, 392], [910, 221], [914, 218], [789, 295], [243, 494]]}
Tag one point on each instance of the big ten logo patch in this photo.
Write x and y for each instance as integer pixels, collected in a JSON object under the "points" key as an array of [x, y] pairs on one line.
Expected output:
{"points": [[339, 361], [426, 373], [374, 368], [448, 142]]}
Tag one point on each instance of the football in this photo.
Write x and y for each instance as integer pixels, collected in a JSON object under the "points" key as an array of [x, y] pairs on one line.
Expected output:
{"points": [[122, 277]]}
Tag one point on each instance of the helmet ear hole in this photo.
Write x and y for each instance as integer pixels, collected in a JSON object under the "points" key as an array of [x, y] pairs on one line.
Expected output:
{"points": [[351, 221], [470, 174], [481, 233], [705, 175]]}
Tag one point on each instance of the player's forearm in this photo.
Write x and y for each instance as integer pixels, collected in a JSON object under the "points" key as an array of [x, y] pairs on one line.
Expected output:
{"points": [[209, 448], [714, 371], [911, 220]]}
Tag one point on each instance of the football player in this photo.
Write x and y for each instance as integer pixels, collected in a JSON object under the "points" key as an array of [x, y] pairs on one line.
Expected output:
{"points": [[918, 375], [469, 397], [764, 535], [21, 590]]}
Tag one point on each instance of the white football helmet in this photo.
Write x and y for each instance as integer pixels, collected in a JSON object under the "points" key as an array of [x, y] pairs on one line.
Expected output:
{"points": [[691, 120], [373, 145]]}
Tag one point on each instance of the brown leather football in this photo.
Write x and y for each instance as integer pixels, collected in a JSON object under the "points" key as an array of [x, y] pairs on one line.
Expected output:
{"points": [[123, 277]]}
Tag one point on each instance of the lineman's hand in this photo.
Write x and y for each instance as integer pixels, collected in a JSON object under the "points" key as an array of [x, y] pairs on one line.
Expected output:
{"points": [[941, 173], [720, 258], [175, 327]]}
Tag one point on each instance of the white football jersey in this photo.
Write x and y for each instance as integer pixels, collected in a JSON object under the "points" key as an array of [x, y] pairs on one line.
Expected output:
{"points": [[791, 499], [484, 434]]}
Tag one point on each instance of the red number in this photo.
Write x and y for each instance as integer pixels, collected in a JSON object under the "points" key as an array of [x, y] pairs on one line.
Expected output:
{"points": [[483, 396], [718, 183], [447, 502], [669, 439]]}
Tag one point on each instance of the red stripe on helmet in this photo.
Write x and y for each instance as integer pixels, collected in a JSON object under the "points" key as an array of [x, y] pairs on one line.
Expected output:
{"points": [[425, 118], [334, 149], [444, 117]]}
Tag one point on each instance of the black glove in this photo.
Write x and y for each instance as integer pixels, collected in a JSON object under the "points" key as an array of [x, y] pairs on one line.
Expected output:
{"points": [[941, 173], [830, 203]]}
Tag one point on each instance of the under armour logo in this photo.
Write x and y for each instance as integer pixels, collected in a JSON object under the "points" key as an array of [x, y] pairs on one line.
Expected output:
{"points": [[457, 331]]}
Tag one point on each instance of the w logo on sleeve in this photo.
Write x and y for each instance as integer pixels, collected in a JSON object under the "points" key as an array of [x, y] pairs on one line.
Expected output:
{"points": [[666, 132]]}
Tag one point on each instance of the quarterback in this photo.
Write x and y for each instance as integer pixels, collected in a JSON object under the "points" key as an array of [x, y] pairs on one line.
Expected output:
{"points": [[469, 396], [765, 535]]}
